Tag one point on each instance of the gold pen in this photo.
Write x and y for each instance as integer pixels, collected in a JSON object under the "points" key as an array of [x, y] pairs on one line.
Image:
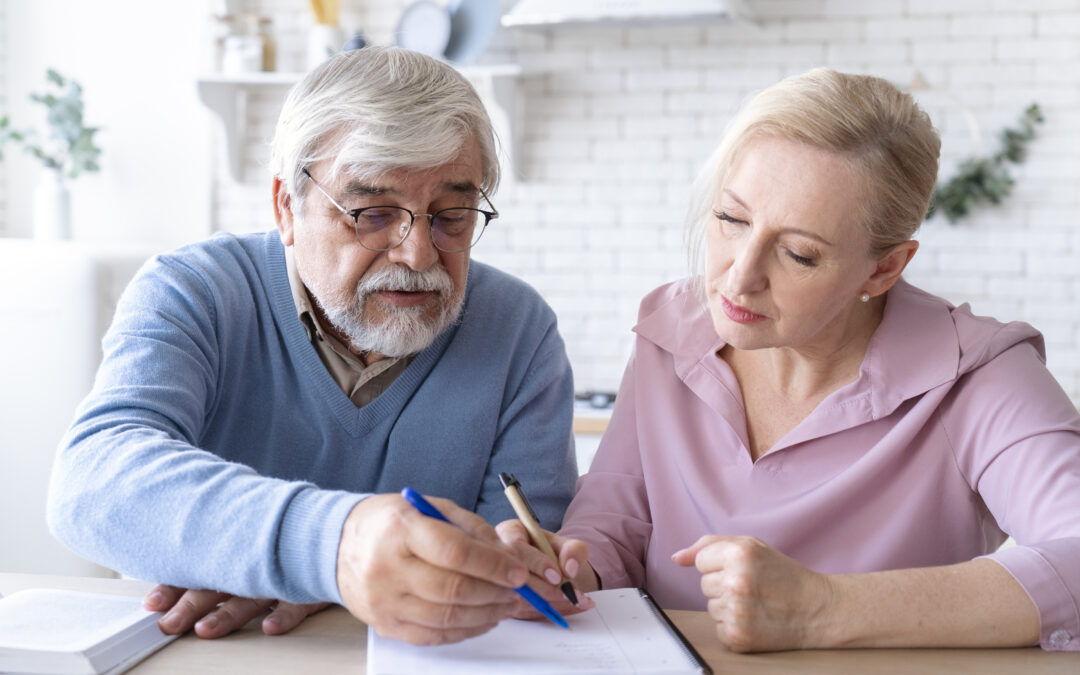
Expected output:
{"points": [[512, 489]]}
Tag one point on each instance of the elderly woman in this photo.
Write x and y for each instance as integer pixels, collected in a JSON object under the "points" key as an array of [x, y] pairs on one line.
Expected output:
{"points": [[815, 451]]}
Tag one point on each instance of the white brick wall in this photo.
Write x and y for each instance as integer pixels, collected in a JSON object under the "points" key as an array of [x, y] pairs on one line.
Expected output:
{"points": [[617, 121], [3, 109]]}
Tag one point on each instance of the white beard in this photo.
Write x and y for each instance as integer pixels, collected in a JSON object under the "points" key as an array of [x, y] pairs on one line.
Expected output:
{"points": [[404, 330]]}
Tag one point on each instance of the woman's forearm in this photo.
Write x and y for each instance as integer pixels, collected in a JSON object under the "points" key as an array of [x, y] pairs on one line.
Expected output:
{"points": [[971, 604]]}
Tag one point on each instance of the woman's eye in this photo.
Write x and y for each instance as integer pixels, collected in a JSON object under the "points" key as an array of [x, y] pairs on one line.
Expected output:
{"points": [[802, 260], [728, 218], [729, 223]]}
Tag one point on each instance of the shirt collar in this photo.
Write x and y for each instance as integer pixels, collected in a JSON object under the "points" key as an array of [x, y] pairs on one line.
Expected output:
{"points": [[914, 349], [680, 324], [304, 311]]}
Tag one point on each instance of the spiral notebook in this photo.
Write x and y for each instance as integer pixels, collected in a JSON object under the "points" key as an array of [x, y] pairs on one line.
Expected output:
{"points": [[626, 633]]}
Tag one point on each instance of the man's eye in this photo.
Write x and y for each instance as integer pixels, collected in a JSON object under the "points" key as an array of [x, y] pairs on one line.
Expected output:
{"points": [[454, 221], [376, 218]]}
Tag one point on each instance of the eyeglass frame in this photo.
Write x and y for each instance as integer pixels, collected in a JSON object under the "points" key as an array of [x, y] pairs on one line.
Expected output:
{"points": [[355, 215]]}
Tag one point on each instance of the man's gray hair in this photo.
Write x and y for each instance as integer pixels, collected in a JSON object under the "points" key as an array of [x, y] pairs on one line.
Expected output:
{"points": [[377, 109]]}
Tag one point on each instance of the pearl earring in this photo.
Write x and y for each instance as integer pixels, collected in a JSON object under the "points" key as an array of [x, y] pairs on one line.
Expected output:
{"points": [[865, 297]]}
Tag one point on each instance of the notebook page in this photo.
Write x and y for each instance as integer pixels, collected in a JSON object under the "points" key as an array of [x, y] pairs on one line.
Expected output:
{"points": [[642, 635], [621, 635]]}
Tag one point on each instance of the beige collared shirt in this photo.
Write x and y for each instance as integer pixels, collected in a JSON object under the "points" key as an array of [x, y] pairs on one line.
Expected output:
{"points": [[361, 383]]}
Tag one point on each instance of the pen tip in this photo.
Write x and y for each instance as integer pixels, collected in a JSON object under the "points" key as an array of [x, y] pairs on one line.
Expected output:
{"points": [[568, 591], [557, 618]]}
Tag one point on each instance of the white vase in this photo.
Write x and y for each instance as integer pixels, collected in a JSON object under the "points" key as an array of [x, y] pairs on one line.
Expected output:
{"points": [[52, 207]]}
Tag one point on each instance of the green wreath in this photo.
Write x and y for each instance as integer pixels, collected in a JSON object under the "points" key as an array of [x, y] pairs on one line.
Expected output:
{"points": [[986, 179]]}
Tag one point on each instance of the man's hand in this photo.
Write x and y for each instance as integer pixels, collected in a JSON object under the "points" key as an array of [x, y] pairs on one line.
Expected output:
{"points": [[545, 577], [215, 614], [761, 599], [421, 580]]}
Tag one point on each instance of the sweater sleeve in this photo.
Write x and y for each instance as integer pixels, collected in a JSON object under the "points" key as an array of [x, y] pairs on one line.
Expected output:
{"points": [[610, 511], [132, 490], [1017, 438], [534, 430]]}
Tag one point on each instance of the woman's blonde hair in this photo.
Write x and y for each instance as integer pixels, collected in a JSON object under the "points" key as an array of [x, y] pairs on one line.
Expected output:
{"points": [[887, 138]]}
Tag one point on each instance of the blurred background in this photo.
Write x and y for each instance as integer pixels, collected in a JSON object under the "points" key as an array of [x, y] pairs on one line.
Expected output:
{"points": [[605, 111]]}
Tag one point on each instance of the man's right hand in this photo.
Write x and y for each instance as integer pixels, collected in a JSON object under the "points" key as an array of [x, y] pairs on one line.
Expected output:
{"points": [[423, 581]]}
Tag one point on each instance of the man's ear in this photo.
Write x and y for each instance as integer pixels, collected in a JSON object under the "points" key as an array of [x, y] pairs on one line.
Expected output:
{"points": [[283, 214], [890, 266]]}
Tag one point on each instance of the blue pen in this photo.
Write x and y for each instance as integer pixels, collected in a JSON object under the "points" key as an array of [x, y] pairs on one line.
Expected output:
{"points": [[425, 507]]}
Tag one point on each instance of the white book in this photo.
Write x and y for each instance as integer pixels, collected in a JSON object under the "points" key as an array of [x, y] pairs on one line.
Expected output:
{"points": [[44, 630], [626, 633]]}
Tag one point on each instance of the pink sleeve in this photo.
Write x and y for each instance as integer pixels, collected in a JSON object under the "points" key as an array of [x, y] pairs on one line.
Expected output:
{"points": [[1017, 438], [610, 511]]}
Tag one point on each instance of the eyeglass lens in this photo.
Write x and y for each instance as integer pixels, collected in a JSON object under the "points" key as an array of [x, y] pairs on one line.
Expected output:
{"points": [[384, 227]]}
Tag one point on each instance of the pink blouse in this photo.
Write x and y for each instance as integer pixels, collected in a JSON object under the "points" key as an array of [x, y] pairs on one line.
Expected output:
{"points": [[953, 435]]}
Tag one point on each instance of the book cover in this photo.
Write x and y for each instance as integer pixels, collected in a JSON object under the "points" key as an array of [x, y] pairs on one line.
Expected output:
{"points": [[72, 632]]}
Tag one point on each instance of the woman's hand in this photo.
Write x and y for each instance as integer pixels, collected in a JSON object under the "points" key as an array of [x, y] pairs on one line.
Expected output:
{"points": [[761, 599], [215, 614], [545, 577]]}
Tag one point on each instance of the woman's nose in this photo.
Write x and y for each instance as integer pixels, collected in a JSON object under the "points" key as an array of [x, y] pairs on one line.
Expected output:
{"points": [[747, 272]]}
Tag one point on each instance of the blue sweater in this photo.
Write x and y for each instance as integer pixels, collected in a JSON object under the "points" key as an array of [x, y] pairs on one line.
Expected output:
{"points": [[216, 451]]}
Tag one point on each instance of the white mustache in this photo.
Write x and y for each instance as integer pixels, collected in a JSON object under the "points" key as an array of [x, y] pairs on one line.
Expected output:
{"points": [[401, 278]]}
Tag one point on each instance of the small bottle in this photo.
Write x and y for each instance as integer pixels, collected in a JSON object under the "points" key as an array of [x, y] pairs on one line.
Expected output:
{"points": [[244, 52], [223, 26], [266, 30]]}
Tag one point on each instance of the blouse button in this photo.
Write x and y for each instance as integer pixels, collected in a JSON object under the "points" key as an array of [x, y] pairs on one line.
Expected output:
{"points": [[1059, 638]]}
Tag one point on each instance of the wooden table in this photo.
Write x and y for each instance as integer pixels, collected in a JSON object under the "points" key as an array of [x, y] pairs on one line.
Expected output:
{"points": [[334, 642]]}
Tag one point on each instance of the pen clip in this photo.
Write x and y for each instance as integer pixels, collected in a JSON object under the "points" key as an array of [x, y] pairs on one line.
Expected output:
{"points": [[509, 481]]}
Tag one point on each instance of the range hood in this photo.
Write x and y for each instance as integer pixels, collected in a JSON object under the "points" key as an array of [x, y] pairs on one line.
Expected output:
{"points": [[543, 13]]}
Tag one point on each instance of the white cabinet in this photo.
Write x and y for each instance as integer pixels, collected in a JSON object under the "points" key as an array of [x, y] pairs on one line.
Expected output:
{"points": [[56, 301]]}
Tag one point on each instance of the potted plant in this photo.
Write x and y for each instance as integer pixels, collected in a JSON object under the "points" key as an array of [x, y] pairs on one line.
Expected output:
{"points": [[66, 151]]}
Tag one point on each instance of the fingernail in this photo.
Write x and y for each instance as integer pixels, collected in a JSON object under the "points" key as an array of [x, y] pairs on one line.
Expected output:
{"points": [[572, 568], [171, 620], [552, 576], [154, 599], [210, 622]]}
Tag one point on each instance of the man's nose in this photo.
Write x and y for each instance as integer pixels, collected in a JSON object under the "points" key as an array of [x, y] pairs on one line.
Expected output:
{"points": [[417, 250]]}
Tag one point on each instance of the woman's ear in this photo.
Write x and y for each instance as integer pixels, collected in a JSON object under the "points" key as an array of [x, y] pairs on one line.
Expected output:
{"points": [[890, 266], [283, 214]]}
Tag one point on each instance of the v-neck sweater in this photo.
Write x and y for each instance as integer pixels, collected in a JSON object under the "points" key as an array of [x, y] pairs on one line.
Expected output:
{"points": [[216, 451]]}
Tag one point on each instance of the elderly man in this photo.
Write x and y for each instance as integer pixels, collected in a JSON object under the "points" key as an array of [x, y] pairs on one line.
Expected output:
{"points": [[264, 398]]}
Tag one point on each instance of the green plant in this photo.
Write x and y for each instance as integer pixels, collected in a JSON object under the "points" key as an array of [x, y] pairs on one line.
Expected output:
{"points": [[986, 179], [69, 146]]}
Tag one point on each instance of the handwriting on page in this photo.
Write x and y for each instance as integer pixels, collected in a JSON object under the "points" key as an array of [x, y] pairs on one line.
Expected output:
{"points": [[511, 648], [620, 636]]}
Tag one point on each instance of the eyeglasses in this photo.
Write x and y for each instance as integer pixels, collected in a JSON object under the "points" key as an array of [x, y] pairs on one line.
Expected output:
{"points": [[381, 228]]}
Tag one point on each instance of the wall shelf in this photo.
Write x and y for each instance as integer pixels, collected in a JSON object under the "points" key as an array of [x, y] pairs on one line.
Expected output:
{"points": [[227, 96]]}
